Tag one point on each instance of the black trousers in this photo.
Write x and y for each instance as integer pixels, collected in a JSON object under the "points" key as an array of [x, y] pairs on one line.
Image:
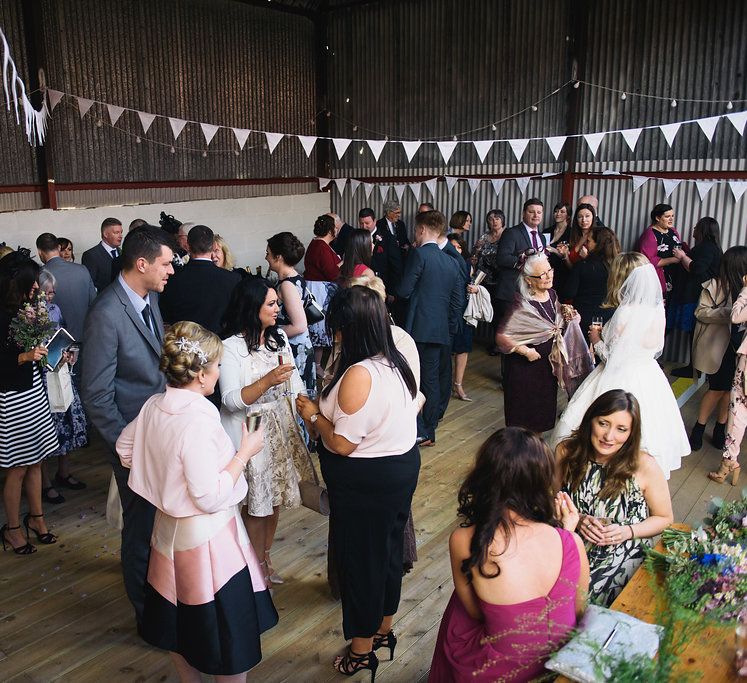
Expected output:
{"points": [[435, 380], [369, 501]]}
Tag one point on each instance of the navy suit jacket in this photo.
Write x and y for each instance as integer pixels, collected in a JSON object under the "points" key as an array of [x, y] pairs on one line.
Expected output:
{"points": [[400, 232], [513, 242], [101, 265], [340, 242], [386, 260], [433, 284]]}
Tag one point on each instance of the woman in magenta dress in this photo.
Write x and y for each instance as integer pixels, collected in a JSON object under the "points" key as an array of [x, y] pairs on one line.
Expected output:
{"points": [[509, 612]]}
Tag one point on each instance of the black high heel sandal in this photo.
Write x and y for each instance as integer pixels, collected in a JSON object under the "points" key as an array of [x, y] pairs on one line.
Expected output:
{"points": [[351, 663], [46, 539], [385, 640], [21, 549]]}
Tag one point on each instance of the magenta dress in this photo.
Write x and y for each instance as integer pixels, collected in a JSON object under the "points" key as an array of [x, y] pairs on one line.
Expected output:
{"points": [[514, 641]]}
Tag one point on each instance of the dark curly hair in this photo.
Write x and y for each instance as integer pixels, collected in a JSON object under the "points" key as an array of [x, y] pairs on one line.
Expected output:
{"points": [[513, 473], [242, 315], [17, 276], [324, 225], [287, 245]]}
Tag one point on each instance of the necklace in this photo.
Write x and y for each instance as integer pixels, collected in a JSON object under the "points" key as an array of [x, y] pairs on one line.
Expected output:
{"points": [[550, 316]]}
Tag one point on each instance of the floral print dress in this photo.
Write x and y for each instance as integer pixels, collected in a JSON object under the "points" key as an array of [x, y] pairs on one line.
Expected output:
{"points": [[611, 566], [303, 351]]}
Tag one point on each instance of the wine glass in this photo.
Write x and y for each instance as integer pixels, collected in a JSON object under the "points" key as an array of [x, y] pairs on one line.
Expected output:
{"points": [[285, 358], [73, 353]]}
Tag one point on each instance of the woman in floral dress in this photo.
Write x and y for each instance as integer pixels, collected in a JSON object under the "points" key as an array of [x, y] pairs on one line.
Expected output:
{"points": [[619, 490]]}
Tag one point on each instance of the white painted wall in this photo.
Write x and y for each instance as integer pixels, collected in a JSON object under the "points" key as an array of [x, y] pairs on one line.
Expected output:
{"points": [[244, 223]]}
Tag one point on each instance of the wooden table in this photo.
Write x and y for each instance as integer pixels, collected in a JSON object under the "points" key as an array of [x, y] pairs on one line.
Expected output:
{"points": [[710, 655]]}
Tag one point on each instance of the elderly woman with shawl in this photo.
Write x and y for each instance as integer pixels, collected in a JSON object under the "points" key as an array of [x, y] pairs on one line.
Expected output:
{"points": [[544, 345]]}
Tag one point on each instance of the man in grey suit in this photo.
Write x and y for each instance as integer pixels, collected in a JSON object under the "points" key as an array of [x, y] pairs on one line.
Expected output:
{"points": [[120, 368], [74, 291], [104, 260]]}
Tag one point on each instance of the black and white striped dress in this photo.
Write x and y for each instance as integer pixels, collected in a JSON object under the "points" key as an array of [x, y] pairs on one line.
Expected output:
{"points": [[27, 433]]}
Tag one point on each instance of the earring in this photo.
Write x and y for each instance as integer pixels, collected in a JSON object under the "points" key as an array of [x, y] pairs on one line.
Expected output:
{"points": [[202, 384]]}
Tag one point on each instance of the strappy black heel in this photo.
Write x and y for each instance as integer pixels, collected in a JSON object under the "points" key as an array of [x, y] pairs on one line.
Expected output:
{"points": [[46, 539], [351, 663], [385, 640], [21, 549]]}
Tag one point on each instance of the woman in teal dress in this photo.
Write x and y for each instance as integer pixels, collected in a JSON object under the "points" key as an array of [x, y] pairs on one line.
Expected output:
{"points": [[619, 490]]}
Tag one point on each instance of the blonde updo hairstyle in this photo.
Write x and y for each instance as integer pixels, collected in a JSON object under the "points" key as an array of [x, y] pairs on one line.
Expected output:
{"points": [[622, 266], [181, 366], [372, 282]]}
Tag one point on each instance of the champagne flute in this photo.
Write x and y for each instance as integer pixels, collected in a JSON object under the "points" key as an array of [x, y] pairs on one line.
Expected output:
{"points": [[285, 358], [73, 351], [597, 322]]}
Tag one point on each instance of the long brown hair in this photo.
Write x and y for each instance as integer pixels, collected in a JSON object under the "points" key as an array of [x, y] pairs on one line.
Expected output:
{"points": [[578, 450], [622, 266], [606, 243]]}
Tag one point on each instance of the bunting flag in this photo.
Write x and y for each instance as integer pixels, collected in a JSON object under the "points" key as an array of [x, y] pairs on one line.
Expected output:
{"points": [[209, 131], [54, 98], [416, 187], [307, 142], [518, 147], [376, 147], [670, 185], [522, 184], [177, 126], [497, 184], [556, 144], [738, 120], [708, 126], [670, 131], [450, 182], [242, 135], [341, 182], [474, 183], [639, 180], [738, 188], [432, 184], [354, 184], [410, 148], [368, 188], [446, 149], [114, 113], [323, 182], [146, 120], [631, 136], [704, 187], [482, 147], [399, 190], [273, 139], [341, 146], [384, 191], [594, 140], [84, 105]]}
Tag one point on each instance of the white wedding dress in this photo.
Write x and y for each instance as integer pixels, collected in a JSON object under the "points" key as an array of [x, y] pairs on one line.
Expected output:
{"points": [[631, 342]]}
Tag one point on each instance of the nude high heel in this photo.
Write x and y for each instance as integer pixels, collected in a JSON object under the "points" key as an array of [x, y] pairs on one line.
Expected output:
{"points": [[727, 468]]}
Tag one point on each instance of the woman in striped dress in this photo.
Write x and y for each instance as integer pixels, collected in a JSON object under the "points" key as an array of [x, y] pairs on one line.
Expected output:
{"points": [[27, 434]]}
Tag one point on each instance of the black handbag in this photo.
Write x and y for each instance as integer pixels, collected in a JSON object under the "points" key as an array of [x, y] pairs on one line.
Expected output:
{"points": [[312, 309]]}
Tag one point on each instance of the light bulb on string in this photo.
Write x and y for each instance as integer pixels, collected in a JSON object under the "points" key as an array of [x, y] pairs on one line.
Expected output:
{"points": [[455, 139], [360, 151], [172, 150], [494, 127], [624, 96], [673, 103], [534, 107], [99, 123], [347, 100], [204, 154], [137, 139], [236, 152], [577, 84], [355, 128], [730, 105]]}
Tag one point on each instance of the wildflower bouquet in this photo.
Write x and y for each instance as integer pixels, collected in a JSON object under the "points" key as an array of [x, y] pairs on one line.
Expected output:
{"points": [[32, 325]]}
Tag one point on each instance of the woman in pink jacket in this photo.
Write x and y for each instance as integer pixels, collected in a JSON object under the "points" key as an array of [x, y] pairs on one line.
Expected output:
{"points": [[206, 601]]}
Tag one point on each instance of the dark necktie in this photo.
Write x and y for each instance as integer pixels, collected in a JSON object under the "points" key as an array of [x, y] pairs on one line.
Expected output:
{"points": [[150, 323], [115, 253], [535, 241]]}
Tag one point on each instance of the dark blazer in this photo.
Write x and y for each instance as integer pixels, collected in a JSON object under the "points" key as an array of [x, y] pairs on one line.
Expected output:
{"points": [[586, 287], [340, 242], [433, 284], [198, 292], [119, 362], [513, 242], [74, 293], [13, 377], [386, 260], [400, 232], [101, 265], [706, 258]]}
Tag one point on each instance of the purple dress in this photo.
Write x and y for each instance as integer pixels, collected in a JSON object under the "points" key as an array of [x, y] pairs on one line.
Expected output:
{"points": [[514, 641]]}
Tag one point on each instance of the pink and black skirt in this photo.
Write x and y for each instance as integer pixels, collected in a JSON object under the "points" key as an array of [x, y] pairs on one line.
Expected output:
{"points": [[205, 596]]}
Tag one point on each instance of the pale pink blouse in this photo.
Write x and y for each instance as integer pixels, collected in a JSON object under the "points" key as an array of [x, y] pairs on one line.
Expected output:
{"points": [[385, 425], [177, 449]]}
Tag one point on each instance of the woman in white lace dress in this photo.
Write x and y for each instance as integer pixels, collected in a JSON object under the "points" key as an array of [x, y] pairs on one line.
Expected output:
{"points": [[629, 345], [253, 381]]}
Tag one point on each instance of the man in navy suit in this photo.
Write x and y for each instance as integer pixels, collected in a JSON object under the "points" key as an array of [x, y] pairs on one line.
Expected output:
{"points": [[103, 260], [393, 224], [433, 284]]}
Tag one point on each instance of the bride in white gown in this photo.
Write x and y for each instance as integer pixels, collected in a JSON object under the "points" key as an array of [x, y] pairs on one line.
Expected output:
{"points": [[629, 345]]}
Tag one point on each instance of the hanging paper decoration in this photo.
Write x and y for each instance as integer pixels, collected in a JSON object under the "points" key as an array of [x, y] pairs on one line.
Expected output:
{"points": [[594, 140], [631, 136], [209, 131], [307, 142], [708, 126], [704, 187], [341, 182], [518, 147], [115, 113], [522, 183], [54, 98], [410, 148], [323, 182], [556, 144], [639, 180], [376, 147], [368, 188], [670, 131], [384, 191], [670, 185], [497, 184], [273, 139], [450, 182], [738, 188], [482, 147], [415, 187], [177, 126], [341, 146], [146, 120], [474, 183], [242, 135], [432, 184], [354, 184], [399, 190], [738, 120], [84, 105], [446, 149]]}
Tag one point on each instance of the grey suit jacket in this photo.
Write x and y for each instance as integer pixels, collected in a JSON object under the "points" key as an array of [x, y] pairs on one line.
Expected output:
{"points": [[119, 362], [74, 293]]}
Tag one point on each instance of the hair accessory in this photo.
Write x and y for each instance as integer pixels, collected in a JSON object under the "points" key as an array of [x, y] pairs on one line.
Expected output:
{"points": [[191, 346], [523, 258]]}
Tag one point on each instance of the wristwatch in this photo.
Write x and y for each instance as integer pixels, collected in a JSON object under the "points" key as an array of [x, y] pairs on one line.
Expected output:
{"points": [[314, 418]]}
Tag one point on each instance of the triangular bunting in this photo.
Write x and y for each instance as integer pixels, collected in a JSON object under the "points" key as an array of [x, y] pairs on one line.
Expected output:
{"points": [[738, 188], [522, 183], [704, 187], [670, 131], [556, 144], [384, 192], [273, 139], [323, 182], [114, 113], [307, 142], [708, 126], [242, 135], [432, 184], [399, 190], [54, 98], [416, 187], [410, 148], [341, 182], [670, 185], [482, 147], [631, 136], [497, 184], [594, 140], [341, 146], [446, 149], [84, 105], [209, 131], [738, 120], [450, 182], [354, 184], [368, 188], [474, 183], [146, 120], [518, 147], [639, 180], [376, 147], [177, 126]]}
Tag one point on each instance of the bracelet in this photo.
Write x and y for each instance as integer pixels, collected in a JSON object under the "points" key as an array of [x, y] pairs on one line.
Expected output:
{"points": [[632, 533], [243, 464]]}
